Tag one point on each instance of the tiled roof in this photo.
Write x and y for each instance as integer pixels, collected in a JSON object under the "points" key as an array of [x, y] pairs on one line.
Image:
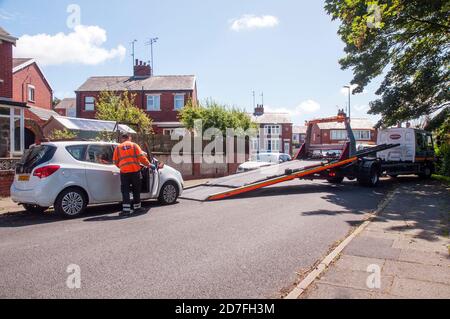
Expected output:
{"points": [[356, 123], [67, 103], [43, 114], [272, 118], [153, 83], [4, 35], [19, 61]]}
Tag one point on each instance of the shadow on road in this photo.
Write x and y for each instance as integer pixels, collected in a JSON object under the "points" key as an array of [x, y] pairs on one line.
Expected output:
{"points": [[94, 213]]}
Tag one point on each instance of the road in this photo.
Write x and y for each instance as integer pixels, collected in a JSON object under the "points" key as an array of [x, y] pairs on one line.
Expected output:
{"points": [[249, 247]]}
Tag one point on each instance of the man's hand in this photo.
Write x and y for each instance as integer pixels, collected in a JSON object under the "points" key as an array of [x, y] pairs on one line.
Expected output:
{"points": [[152, 167]]}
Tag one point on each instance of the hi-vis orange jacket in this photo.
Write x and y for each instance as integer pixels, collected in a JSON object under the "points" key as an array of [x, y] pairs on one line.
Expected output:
{"points": [[128, 156]]}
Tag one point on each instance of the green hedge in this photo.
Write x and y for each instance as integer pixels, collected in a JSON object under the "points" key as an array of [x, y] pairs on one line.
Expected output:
{"points": [[443, 165]]}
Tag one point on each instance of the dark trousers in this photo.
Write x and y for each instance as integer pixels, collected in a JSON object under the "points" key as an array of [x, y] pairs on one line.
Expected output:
{"points": [[131, 182]]}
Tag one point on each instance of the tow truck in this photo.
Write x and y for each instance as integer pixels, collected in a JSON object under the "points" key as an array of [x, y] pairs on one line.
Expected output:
{"points": [[399, 152]]}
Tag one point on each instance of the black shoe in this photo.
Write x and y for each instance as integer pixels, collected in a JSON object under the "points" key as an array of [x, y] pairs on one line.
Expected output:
{"points": [[125, 214]]}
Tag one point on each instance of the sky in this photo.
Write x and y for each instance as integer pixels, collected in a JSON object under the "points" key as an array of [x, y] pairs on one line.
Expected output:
{"points": [[287, 49]]}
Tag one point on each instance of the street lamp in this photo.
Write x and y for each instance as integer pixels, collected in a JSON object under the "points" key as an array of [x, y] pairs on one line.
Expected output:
{"points": [[349, 87]]}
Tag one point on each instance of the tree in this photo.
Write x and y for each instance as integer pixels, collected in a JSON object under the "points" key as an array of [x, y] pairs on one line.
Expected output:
{"points": [[64, 134], [214, 115], [408, 42], [121, 108]]}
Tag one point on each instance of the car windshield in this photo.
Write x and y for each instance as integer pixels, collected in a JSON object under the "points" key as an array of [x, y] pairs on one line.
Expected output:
{"points": [[270, 158], [34, 157]]}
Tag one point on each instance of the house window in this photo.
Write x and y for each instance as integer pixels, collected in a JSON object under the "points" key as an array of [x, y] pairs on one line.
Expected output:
{"points": [[254, 143], [168, 131], [12, 132], [273, 130], [338, 135], [360, 135], [179, 101], [31, 93], [89, 103], [273, 145], [153, 103]]}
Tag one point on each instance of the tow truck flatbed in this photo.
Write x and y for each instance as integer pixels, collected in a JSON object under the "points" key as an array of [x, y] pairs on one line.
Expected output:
{"points": [[234, 185]]}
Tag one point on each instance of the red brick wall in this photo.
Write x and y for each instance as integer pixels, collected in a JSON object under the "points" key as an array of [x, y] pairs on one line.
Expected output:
{"points": [[6, 179], [31, 75], [6, 87], [286, 135]]}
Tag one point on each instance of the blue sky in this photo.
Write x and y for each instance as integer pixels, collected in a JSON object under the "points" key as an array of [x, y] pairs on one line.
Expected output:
{"points": [[287, 49]]}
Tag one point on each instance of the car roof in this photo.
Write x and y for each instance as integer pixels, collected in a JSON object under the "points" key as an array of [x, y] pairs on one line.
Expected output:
{"points": [[73, 143]]}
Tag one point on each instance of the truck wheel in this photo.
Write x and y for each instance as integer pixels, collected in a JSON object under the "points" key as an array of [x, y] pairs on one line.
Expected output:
{"points": [[427, 172], [335, 180], [371, 178], [34, 209], [168, 194], [71, 202]]}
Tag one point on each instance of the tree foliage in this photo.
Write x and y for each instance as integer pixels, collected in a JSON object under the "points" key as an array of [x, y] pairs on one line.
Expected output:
{"points": [[407, 42], [214, 115], [112, 106], [65, 134]]}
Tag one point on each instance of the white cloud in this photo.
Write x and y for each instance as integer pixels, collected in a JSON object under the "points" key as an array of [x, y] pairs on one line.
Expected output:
{"points": [[297, 113], [5, 15], [251, 21], [82, 46], [309, 106]]}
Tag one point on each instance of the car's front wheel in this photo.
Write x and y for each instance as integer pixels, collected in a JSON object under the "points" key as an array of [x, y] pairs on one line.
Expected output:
{"points": [[71, 202], [168, 194], [34, 209]]}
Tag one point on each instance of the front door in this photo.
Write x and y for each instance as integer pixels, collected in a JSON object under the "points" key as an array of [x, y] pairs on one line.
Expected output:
{"points": [[103, 177]]}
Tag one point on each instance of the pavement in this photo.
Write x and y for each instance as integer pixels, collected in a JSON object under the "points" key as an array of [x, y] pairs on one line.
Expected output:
{"points": [[406, 247]]}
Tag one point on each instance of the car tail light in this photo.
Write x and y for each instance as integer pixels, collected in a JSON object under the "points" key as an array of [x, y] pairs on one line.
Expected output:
{"points": [[46, 171]]}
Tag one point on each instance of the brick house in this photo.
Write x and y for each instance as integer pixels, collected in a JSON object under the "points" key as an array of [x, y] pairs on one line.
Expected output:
{"points": [[298, 136], [12, 141], [67, 107], [334, 133], [31, 87], [161, 97], [275, 132]]}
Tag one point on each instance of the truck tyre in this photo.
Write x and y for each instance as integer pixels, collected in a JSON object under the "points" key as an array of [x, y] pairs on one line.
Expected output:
{"points": [[369, 177], [427, 172], [168, 194], [34, 209], [71, 202], [335, 180]]}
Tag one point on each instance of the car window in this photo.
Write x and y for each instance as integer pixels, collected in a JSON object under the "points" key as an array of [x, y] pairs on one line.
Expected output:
{"points": [[34, 157], [100, 154], [78, 152]]}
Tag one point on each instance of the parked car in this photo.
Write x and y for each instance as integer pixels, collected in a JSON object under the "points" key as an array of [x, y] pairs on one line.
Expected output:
{"points": [[71, 175], [262, 160]]}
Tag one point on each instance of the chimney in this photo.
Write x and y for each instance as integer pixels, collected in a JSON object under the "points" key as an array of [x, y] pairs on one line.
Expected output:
{"points": [[142, 70], [259, 110]]}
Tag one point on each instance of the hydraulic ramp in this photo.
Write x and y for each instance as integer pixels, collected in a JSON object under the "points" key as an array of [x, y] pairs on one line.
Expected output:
{"points": [[234, 185]]}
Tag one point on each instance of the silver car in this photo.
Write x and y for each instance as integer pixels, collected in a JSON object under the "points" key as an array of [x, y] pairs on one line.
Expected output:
{"points": [[71, 175]]}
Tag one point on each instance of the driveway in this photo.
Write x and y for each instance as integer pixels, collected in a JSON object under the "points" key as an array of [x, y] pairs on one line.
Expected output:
{"points": [[248, 247]]}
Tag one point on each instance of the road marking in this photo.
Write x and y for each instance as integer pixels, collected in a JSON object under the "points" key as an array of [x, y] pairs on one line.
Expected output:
{"points": [[314, 274]]}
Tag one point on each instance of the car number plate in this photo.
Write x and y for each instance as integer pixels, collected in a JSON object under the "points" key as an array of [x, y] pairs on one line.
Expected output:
{"points": [[24, 178]]}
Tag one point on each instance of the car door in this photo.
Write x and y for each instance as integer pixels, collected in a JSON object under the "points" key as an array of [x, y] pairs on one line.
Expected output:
{"points": [[103, 177], [155, 180]]}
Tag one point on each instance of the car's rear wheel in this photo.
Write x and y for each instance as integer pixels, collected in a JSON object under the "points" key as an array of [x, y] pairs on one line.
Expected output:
{"points": [[34, 209], [71, 202], [168, 194]]}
